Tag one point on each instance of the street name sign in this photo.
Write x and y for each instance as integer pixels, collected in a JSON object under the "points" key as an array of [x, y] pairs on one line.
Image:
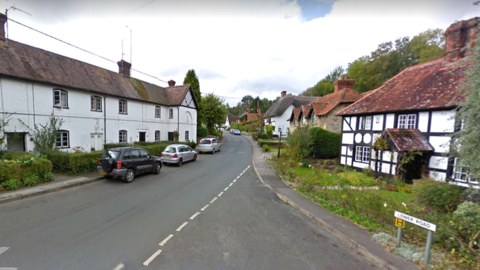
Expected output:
{"points": [[427, 225]]}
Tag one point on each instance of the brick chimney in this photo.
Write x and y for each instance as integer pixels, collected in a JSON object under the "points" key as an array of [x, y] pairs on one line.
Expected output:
{"points": [[3, 20], [460, 39], [124, 68], [343, 82], [171, 83], [283, 93]]}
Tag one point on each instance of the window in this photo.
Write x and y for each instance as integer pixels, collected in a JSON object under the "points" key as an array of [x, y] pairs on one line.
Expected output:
{"points": [[96, 103], [144, 153], [362, 154], [122, 136], [62, 139], [60, 98], [122, 107], [407, 121], [314, 119], [365, 123], [158, 112], [157, 135], [186, 135], [461, 173], [170, 113]]}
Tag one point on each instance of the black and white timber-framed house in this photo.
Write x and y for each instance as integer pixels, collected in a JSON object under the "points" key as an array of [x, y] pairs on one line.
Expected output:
{"points": [[414, 115]]}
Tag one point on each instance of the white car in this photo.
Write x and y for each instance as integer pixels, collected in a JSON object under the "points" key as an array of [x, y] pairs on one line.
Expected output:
{"points": [[209, 145], [178, 154]]}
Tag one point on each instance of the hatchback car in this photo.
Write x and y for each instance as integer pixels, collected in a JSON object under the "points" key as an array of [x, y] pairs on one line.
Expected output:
{"points": [[209, 145], [237, 132], [127, 162], [178, 154]]}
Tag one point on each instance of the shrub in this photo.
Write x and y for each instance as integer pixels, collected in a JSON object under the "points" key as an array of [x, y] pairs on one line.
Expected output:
{"points": [[269, 130], [74, 164], [266, 148], [262, 135], [193, 145], [471, 195], [467, 222], [254, 136], [325, 144], [18, 155], [11, 184], [31, 180], [439, 195], [47, 177], [202, 131], [298, 144], [19, 169]]}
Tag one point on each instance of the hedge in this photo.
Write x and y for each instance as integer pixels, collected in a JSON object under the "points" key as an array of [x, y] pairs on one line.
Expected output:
{"points": [[21, 168], [325, 144], [202, 131], [74, 164], [271, 144]]}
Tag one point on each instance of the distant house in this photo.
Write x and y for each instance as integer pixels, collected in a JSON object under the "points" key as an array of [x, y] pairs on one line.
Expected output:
{"points": [[280, 112], [414, 114], [97, 106], [230, 120]]}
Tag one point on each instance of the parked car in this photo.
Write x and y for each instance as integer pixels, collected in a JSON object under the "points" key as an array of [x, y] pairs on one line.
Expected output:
{"points": [[237, 132], [178, 154], [209, 145], [127, 162]]}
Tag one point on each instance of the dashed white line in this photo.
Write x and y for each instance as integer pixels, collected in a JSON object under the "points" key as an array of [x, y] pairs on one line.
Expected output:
{"points": [[8, 268], [3, 249], [165, 240], [194, 215], [181, 226], [205, 207], [225, 189], [234, 180], [147, 262], [220, 194], [214, 199], [231, 184], [118, 267]]}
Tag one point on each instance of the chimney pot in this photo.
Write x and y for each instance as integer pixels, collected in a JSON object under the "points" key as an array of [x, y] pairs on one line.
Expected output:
{"points": [[283, 93], [171, 83], [460, 39], [124, 68], [343, 82], [3, 20]]}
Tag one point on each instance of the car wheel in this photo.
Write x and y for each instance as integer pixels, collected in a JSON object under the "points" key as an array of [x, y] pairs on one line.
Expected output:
{"points": [[179, 164], [194, 158], [158, 167], [129, 176], [219, 149], [213, 151]]}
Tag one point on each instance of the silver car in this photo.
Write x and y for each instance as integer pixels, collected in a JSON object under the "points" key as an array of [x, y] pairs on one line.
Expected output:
{"points": [[178, 154], [210, 145]]}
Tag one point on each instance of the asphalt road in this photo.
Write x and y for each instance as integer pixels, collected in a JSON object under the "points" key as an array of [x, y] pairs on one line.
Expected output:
{"points": [[209, 214]]}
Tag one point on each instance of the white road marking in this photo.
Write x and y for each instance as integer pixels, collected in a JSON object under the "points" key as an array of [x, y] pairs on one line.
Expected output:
{"points": [[194, 216], [205, 207], [8, 268], [234, 180], [231, 184], [119, 267], [165, 240], [147, 262], [220, 194], [214, 199], [181, 226], [3, 249], [225, 189]]}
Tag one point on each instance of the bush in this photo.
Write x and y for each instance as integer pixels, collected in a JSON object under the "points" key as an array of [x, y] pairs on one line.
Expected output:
{"points": [[266, 148], [18, 155], [325, 144], [74, 164], [11, 184], [20, 169], [202, 131], [441, 196], [467, 222], [262, 135], [471, 195], [31, 180]]}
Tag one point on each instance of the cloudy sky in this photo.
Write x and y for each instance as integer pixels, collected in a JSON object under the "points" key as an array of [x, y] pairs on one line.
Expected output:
{"points": [[236, 47]]}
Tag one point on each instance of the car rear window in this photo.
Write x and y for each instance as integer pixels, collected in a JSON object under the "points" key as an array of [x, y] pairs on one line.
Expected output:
{"points": [[111, 154], [205, 142], [170, 150]]}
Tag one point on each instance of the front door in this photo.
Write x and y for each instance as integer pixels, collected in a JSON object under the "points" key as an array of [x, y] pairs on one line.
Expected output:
{"points": [[170, 136], [141, 136], [16, 141]]}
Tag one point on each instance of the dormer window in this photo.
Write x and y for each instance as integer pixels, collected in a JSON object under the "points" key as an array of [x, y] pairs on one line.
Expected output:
{"points": [[60, 98]]}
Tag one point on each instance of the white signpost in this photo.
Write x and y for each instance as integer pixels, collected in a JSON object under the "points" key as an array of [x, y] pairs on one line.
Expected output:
{"points": [[422, 223]]}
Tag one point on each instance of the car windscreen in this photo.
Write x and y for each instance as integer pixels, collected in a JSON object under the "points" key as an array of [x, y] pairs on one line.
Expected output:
{"points": [[110, 154], [170, 150], [205, 142]]}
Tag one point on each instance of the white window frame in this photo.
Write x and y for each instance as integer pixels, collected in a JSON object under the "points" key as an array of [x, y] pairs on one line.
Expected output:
{"points": [[170, 113], [122, 136], [60, 98], [362, 153], [365, 123], [122, 106], [157, 135], [63, 139], [407, 121], [158, 112], [314, 119], [96, 103], [461, 174], [187, 133]]}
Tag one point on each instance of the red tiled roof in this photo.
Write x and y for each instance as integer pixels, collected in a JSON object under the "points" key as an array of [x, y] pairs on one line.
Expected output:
{"points": [[253, 116], [408, 140], [324, 105], [431, 85], [296, 113], [305, 110]]}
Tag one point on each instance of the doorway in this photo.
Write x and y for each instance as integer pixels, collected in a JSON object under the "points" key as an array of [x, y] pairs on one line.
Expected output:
{"points": [[16, 141], [141, 136]]}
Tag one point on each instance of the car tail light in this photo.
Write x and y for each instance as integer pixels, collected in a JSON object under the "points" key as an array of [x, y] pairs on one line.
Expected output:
{"points": [[161, 155], [119, 164], [175, 156], [98, 162]]}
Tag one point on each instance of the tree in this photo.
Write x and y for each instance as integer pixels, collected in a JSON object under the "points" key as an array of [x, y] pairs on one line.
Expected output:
{"points": [[45, 135], [192, 79], [468, 142], [214, 112]]}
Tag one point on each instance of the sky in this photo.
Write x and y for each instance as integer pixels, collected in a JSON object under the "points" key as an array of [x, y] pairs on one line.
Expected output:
{"points": [[236, 47]]}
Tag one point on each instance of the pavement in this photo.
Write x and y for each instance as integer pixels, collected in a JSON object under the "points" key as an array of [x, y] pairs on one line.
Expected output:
{"points": [[349, 233]]}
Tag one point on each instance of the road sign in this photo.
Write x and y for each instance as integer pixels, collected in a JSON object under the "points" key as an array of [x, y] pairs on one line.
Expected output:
{"points": [[427, 225], [399, 222]]}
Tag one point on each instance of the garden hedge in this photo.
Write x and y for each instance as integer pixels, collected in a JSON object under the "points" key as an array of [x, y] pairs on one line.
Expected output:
{"points": [[325, 144], [21, 168]]}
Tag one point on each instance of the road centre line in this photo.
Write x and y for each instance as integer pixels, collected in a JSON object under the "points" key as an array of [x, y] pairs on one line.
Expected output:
{"points": [[214, 199], [181, 226], [165, 240], [225, 189], [194, 216], [220, 194], [234, 180], [147, 262], [118, 267], [3, 249], [205, 207], [230, 184]]}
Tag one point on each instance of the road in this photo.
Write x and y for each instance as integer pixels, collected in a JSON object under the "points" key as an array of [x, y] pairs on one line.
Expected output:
{"points": [[210, 214]]}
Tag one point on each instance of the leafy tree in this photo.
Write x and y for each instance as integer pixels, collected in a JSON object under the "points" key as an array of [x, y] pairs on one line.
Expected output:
{"points": [[214, 112], [192, 79], [45, 135], [298, 144], [334, 74], [468, 141], [358, 70], [325, 86]]}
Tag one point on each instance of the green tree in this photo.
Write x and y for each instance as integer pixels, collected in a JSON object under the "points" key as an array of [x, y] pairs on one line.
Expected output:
{"points": [[214, 112], [45, 135], [468, 140], [192, 79]]}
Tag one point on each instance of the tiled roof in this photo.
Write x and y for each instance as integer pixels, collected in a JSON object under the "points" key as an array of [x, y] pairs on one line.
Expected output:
{"points": [[431, 85], [296, 113], [20, 61], [232, 119], [324, 105], [253, 116], [305, 110], [407, 140]]}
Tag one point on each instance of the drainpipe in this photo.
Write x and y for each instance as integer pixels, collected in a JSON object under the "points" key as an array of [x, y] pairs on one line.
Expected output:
{"points": [[178, 122], [104, 121]]}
